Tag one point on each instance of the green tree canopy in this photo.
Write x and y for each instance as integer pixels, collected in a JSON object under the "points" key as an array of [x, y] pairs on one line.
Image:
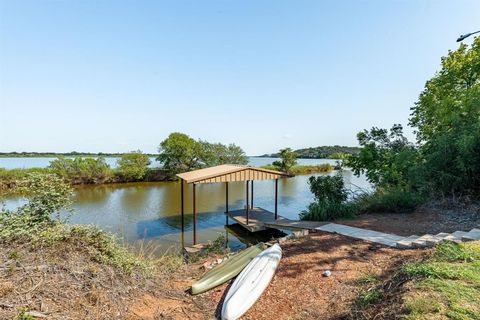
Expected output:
{"points": [[180, 153], [447, 119], [133, 165], [387, 158], [288, 160]]}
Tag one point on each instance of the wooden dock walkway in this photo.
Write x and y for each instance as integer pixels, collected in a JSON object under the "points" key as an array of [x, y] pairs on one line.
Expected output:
{"points": [[261, 219]]}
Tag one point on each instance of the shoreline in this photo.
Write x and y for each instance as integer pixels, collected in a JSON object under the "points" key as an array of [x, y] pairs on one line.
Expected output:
{"points": [[9, 178]]}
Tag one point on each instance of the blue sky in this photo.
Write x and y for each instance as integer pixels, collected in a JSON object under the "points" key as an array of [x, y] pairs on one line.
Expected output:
{"points": [[116, 76]]}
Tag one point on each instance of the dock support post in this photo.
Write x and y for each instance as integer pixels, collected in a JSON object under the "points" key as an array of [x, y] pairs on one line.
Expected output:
{"points": [[182, 211], [246, 207], [251, 206], [194, 217], [226, 202], [276, 199]]}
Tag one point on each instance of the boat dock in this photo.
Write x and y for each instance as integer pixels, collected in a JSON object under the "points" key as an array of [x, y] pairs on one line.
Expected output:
{"points": [[260, 219]]}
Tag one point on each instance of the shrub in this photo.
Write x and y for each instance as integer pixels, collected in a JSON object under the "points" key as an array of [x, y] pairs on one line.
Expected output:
{"points": [[133, 165], [82, 170], [328, 210], [10, 178], [47, 195], [330, 199], [328, 188], [389, 201]]}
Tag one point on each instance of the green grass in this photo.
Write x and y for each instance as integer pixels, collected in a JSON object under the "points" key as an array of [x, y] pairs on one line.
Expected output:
{"points": [[369, 297], [447, 284]]}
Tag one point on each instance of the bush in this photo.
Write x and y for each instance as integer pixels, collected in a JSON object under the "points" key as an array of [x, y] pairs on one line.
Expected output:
{"points": [[328, 210], [133, 166], [10, 178], [328, 188], [47, 195], [82, 170], [330, 199], [389, 201]]}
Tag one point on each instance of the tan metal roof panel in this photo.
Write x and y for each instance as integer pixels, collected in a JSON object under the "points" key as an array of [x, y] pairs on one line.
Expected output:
{"points": [[226, 173]]}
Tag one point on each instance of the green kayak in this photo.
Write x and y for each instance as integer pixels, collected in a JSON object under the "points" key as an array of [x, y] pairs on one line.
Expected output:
{"points": [[227, 269]]}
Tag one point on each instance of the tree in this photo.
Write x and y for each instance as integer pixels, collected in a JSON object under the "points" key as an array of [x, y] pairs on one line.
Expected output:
{"points": [[387, 158], [447, 118], [288, 160], [214, 154], [236, 155], [179, 153], [133, 165]]}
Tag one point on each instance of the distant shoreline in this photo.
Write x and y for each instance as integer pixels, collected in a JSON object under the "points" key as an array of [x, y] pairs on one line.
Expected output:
{"points": [[68, 154]]}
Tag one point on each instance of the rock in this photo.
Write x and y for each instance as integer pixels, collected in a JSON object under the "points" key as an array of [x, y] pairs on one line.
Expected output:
{"points": [[327, 273], [219, 261]]}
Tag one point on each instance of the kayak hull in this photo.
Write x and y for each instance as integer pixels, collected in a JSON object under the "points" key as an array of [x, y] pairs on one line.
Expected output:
{"points": [[227, 270], [250, 283]]}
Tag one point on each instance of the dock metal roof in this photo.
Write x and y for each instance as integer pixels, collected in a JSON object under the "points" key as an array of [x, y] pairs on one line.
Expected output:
{"points": [[230, 173]]}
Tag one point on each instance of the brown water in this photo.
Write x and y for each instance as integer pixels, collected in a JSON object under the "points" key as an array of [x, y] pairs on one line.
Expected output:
{"points": [[149, 212]]}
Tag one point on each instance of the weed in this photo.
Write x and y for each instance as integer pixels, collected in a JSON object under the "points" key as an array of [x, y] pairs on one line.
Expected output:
{"points": [[24, 315], [14, 255], [369, 297], [216, 246]]}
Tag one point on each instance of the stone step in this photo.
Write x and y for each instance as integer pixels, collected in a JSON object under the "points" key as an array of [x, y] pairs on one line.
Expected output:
{"points": [[455, 236], [422, 241], [406, 243], [472, 235], [437, 238]]}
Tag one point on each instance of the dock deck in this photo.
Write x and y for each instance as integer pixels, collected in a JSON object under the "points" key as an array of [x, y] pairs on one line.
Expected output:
{"points": [[261, 219]]}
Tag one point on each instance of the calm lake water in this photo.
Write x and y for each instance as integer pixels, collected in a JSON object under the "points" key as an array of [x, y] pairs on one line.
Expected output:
{"points": [[149, 212]]}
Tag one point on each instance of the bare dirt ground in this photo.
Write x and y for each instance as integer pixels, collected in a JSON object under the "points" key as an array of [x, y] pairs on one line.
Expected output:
{"points": [[432, 218], [298, 290], [65, 283]]}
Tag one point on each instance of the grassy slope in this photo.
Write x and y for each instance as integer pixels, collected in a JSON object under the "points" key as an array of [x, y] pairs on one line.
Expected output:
{"points": [[444, 284], [447, 285]]}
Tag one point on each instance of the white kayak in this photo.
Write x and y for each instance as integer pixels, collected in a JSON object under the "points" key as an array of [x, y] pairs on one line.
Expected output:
{"points": [[250, 283]]}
